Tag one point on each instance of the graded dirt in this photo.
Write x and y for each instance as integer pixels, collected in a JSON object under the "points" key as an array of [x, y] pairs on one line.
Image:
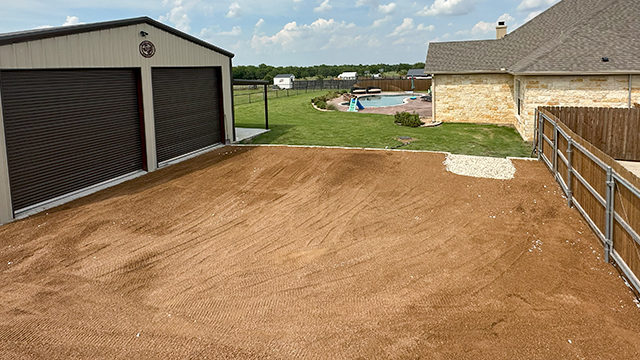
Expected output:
{"points": [[307, 253]]}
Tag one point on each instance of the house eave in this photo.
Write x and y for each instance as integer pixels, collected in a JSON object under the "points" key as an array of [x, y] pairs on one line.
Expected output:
{"points": [[539, 73], [576, 73], [467, 72]]}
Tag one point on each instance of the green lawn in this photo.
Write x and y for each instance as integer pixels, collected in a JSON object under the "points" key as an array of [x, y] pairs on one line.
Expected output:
{"points": [[294, 121]]}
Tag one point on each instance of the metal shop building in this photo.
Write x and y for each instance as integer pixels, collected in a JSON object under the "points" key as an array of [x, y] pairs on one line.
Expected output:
{"points": [[87, 106]]}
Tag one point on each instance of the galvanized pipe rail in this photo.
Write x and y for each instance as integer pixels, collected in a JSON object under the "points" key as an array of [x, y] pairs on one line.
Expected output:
{"points": [[613, 181]]}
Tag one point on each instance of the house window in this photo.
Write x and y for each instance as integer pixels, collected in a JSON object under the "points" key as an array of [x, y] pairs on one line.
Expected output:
{"points": [[518, 97]]}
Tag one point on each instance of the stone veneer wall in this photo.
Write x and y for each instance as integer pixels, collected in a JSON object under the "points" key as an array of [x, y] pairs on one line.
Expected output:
{"points": [[482, 98], [592, 91], [489, 98]]}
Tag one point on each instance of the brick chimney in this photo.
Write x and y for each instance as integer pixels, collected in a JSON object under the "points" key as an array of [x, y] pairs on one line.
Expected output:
{"points": [[501, 30]]}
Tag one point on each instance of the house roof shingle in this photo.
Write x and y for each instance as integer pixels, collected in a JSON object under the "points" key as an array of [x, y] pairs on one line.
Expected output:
{"points": [[570, 37]]}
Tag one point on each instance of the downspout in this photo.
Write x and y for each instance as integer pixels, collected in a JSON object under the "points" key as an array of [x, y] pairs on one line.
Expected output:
{"points": [[433, 97], [233, 110]]}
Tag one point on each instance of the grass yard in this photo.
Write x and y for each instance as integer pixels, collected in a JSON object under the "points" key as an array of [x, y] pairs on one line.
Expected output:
{"points": [[294, 121]]}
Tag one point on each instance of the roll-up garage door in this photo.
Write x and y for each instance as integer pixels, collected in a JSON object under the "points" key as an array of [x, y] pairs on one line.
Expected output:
{"points": [[69, 129], [187, 110]]}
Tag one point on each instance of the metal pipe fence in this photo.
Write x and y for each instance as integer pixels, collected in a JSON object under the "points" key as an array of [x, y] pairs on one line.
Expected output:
{"points": [[249, 96], [592, 182]]}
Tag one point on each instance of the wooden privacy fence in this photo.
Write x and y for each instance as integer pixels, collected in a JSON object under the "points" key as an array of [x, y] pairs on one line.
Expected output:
{"points": [[615, 131], [322, 84], [603, 191], [383, 84], [395, 84]]}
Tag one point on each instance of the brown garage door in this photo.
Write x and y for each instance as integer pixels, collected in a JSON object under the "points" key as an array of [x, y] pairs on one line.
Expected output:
{"points": [[187, 110], [69, 129]]}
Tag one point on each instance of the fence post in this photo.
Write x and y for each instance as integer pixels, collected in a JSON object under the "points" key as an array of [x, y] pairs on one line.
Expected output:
{"points": [[569, 171], [555, 149], [609, 215], [540, 132]]}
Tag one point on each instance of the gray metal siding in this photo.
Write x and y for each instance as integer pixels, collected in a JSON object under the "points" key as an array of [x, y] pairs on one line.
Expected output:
{"points": [[69, 129], [187, 108]]}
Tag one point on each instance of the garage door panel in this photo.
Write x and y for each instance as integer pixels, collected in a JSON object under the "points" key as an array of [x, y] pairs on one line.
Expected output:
{"points": [[69, 129], [187, 110]]}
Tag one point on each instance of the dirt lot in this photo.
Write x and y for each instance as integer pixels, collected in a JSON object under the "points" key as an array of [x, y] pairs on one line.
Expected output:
{"points": [[284, 253]]}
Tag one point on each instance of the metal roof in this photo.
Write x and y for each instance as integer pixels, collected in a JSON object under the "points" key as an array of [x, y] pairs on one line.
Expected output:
{"points": [[571, 37], [416, 72], [283, 76], [37, 34]]}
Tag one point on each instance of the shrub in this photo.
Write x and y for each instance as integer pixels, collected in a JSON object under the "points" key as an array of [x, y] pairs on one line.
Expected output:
{"points": [[407, 119], [332, 107], [321, 101]]}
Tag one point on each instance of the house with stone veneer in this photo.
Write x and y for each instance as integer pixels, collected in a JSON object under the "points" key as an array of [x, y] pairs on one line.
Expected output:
{"points": [[577, 53]]}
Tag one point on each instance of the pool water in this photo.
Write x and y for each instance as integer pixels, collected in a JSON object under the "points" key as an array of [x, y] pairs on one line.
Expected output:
{"points": [[384, 100]]}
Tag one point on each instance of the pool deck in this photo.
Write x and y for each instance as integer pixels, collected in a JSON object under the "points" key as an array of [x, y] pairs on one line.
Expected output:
{"points": [[423, 108]]}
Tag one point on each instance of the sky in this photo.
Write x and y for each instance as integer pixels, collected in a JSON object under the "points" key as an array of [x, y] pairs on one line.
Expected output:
{"points": [[296, 32]]}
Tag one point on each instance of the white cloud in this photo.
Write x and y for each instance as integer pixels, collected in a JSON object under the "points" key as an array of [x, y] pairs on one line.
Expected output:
{"points": [[234, 10], [360, 3], [177, 16], [260, 22], [324, 6], [448, 7], [388, 8], [406, 26], [527, 5], [235, 31], [423, 27], [508, 19], [320, 34], [483, 27], [72, 20], [377, 23]]}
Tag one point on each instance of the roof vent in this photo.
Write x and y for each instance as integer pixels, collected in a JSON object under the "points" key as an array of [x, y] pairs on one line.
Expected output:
{"points": [[501, 30], [605, 59]]}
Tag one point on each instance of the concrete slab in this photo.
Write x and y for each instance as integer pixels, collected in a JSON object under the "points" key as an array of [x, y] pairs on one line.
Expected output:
{"points": [[248, 133]]}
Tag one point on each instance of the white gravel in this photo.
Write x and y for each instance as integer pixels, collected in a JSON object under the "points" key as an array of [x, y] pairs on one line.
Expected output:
{"points": [[480, 166]]}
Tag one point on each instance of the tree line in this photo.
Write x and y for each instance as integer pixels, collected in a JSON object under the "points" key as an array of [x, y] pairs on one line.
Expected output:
{"points": [[268, 72]]}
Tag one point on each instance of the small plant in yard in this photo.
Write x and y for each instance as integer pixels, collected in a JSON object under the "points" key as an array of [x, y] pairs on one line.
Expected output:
{"points": [[321, 101], [407, 119], [332, 107], [321, 104]]}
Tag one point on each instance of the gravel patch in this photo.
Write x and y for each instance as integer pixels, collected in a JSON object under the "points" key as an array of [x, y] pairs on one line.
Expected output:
{"points": [[480, 166]]}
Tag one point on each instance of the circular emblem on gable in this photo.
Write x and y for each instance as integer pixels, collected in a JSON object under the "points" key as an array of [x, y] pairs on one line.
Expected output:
{"points": [[147, 49]]}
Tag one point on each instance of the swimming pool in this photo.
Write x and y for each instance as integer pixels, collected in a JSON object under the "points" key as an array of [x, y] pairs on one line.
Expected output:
{"points": [[384, 100]]}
